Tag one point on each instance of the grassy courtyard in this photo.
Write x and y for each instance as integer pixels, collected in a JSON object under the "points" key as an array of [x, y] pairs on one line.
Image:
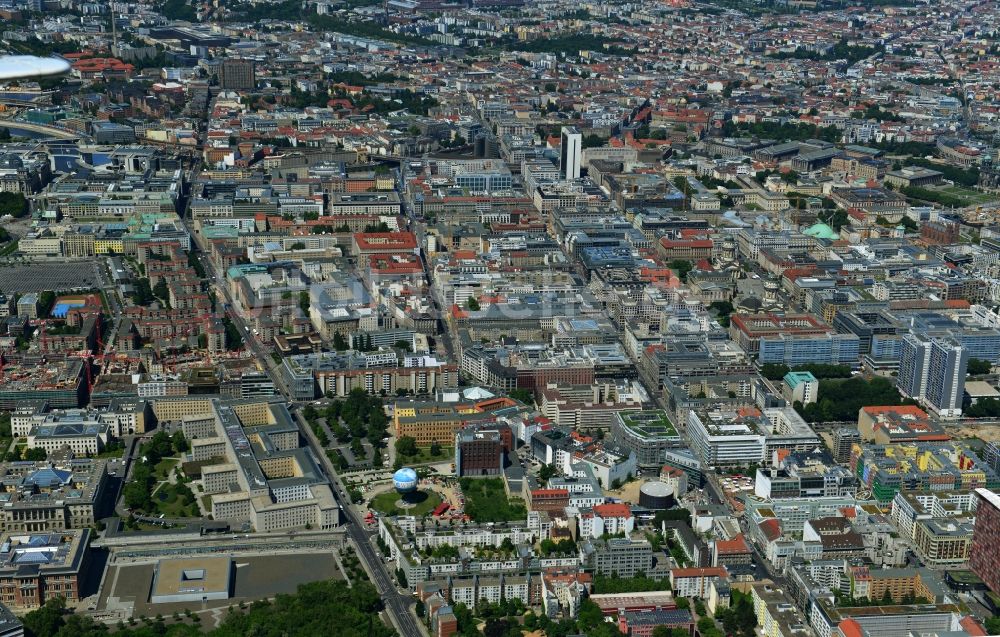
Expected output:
{"points": [[487, 501], [424, 502], [424, 456], [175, 501], [163, 468]]}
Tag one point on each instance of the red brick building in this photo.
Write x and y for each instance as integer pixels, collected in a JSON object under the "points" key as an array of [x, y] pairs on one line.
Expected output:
{"points": [[35, 568], [549, 500], [478, 452], [984, 556], [685, 249], [643, 623]]}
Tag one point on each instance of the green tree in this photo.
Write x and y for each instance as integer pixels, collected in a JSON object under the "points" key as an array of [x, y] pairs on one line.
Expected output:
{"points": [[407, 446], [993, 625], [590, 615], [35, 453], [339, 343], [472, 303], [984, 408], [136, 496], [774, 371], [435, 449], [523, 395], [978, 367], [546, 472], [178, 10], [13, 204], [681, 267], [234, 340], [47, 620], [179, 442]]}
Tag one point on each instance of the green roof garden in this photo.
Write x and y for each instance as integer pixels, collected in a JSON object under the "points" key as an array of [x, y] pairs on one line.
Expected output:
{"points": [[649, 423]]}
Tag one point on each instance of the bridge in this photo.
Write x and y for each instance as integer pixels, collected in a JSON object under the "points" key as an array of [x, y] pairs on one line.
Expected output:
{"points": [[51, 131], [15, 102]]}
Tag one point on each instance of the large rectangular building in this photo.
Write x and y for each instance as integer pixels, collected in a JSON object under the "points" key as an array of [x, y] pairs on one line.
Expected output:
{"points": [[793, 339], [195, 579], [932, 370], [478, 453], [35, 568], [261, 474], [570, 152], [984, 556], [748, 435], [44, 497], [622, 557]]}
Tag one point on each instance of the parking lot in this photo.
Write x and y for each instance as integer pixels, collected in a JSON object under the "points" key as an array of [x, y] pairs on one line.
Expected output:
{"points": [[40, 276]]}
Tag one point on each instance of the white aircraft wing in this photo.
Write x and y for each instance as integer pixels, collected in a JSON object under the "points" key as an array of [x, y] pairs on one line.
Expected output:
{"points": [[14, 67]]}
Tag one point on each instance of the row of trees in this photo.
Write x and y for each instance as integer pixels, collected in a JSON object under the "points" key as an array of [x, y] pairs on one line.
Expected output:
{"points": [[840, 51], [329, 608], [789, 131], [777, 371], [406, 446], [935, 196], [566, 44]]}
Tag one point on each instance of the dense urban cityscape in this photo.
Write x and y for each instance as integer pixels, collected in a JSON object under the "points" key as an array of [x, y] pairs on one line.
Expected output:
{"points": [[503, 318]]}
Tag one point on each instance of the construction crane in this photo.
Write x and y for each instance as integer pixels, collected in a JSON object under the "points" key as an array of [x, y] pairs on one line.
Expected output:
{"points": [[43, 341], [86, 356]]}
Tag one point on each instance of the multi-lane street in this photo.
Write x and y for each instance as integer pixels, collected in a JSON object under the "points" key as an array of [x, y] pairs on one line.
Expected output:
{"points": [[396, 603]]}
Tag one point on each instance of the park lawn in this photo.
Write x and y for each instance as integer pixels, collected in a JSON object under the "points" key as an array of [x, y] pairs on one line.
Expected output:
{"points": [[974, 196], [385, 503], [487, 501], [170, 503], [164, 467], [424, 456]]}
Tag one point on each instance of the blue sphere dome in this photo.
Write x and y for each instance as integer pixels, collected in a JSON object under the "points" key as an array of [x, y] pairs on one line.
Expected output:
{"points": [[405, 480]]}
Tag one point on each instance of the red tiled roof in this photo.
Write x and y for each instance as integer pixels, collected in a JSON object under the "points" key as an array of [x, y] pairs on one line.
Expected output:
{"points": [[851, 628], [613, 510], [737, 545], [902, 410], [771, 528], [972, 627]]}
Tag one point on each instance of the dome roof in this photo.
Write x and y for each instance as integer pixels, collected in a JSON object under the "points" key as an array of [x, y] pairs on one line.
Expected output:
{"points": [[822, 231]]}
